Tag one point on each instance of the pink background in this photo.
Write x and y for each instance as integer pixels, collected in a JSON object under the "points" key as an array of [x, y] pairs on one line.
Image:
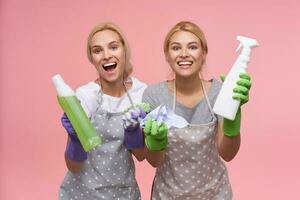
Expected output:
{"points": [[41, 38]]}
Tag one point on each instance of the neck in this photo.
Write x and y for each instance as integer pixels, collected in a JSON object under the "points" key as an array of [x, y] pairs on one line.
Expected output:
{"points": [[115, 89], [188, 85]]}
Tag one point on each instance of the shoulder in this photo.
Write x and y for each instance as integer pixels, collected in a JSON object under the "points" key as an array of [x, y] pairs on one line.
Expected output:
{"points": [[155, 94], [137, 89], [214, 88], [137, 85], [90, 88], [87, 95], [216, 85], [214, 91], [156, 88]]}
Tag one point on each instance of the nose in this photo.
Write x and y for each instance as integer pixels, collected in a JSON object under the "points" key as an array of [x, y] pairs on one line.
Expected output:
{"points": [[107, 54], [184, 53]]}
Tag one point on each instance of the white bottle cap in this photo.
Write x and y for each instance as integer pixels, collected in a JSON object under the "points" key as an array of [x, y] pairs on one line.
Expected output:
{"points": [[62, 88]]}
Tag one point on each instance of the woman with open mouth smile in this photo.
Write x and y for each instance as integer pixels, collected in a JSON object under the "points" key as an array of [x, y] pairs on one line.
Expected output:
{"points": [[188, 159], [107, 172]]}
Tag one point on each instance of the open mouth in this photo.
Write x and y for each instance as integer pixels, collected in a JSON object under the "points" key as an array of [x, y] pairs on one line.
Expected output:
{"points": [[109, 66], [184, 63]]}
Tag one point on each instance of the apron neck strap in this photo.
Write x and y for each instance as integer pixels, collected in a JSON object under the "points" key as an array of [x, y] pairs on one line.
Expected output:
{"points": [[100, 94], [205, 95], [128, 95]]}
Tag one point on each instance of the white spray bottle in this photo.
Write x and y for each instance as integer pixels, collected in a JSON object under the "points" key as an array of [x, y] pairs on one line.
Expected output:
{"points": [[225, 105]]}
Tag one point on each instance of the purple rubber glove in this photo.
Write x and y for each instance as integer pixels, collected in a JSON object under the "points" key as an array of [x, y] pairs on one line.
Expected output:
{"points": [[133, 135], [74, 150]]}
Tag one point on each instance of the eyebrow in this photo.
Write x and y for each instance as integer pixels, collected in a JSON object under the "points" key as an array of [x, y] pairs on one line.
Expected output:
{"points": [[193, 43], [188, 43], [112, 42], [174, 43]]}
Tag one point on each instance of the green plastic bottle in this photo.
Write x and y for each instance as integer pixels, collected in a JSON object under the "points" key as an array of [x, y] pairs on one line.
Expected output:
{"points": [[86, 133]]}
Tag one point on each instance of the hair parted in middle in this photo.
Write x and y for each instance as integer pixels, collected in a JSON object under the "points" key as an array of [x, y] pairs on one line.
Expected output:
{"points": [[189, 27]]}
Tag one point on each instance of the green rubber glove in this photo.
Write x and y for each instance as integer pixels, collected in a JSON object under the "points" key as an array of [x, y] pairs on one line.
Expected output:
{"points": [[156, 136], [231, 128], [144, 106]]}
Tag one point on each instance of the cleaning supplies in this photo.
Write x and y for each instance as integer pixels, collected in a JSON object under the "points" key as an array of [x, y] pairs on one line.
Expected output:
{"points": [[225, 105], [133, 134], [156, 136], [163, 114], [85, 131]]}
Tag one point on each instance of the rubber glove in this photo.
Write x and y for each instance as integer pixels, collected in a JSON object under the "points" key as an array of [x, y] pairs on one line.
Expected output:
{"points": [[133, 135], [156, 135], [231, 128], [74, 150]]}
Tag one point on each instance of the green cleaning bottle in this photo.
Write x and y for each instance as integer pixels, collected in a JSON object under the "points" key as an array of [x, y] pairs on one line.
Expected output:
{"points": [[67, 100]]}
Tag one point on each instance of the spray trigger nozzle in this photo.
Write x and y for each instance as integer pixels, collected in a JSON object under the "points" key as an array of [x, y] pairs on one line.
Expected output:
{"points": [[247, 44]]}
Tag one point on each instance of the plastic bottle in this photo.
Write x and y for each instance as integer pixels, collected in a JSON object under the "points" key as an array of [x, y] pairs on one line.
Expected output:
{"points": [[69, 103], [225, 105]]}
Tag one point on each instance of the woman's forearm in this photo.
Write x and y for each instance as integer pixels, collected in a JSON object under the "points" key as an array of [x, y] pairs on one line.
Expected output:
{"points": [[73, 166], [139, 154], [155, 158], [228, 147]]}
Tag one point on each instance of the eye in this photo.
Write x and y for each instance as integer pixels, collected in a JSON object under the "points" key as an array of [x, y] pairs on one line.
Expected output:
{"points": [[193, 47], [97, 50], [114, 47], [175, 48]]}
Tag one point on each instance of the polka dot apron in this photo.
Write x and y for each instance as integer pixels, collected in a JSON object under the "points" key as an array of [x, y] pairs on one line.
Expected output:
{"points": [[192, 168], [109, 171]]}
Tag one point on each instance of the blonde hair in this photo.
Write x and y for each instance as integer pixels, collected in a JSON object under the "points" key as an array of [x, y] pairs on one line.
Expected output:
{"points": [[116, 29], [189, 27]]}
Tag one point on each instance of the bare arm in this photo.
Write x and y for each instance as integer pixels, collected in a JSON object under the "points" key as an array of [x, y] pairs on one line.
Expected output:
{"points": [[139, 154], [73, 166], [228, 147], [155, 158]]}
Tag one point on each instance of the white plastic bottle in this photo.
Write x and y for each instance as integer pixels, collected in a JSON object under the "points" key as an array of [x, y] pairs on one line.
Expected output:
{"points": [[225, 105]]}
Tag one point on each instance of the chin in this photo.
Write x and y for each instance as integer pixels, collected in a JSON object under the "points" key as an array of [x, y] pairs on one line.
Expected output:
{"points": [[186, 74], [112, 79]]}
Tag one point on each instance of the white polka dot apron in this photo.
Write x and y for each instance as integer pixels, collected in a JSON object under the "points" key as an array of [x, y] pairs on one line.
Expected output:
{"points": [[109, 171], [192, 168]]}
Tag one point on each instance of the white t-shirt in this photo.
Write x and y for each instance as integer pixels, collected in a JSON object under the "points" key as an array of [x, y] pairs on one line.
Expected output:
{"points": [[89, 96]]}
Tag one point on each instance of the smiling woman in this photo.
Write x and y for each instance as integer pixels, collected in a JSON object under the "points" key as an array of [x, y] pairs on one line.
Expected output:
{"points": [[108, 56], [107, 172], [188, 159]]}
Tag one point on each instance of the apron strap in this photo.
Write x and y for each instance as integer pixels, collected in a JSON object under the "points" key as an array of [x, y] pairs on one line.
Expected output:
{"points": [[205, 95], [206, 98], [174, 97], [100, 95], [128, 95]]}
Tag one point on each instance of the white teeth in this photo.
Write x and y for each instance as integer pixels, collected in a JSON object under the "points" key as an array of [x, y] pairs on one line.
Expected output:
{"points": [[185, 63], [109, 64]]}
